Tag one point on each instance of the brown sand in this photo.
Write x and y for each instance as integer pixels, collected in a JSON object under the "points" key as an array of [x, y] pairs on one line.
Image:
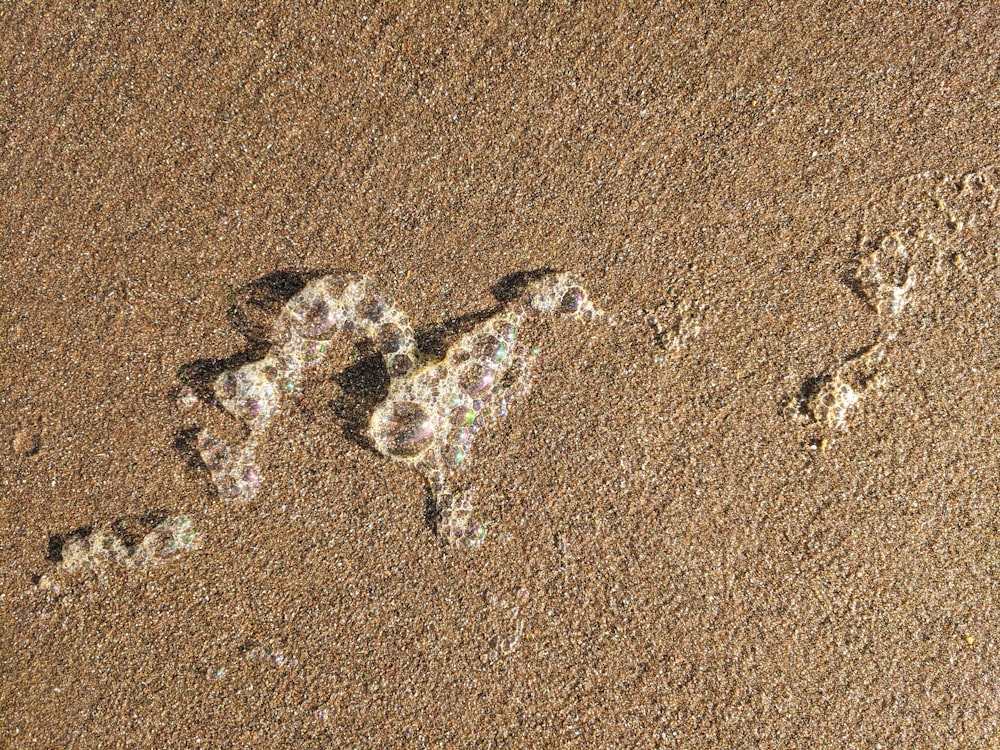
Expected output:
{"points": [[686, 565]]}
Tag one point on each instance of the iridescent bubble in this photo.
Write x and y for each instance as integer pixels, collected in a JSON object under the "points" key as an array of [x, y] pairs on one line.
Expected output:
{"points": [[572, 300], [251, 480], [477, 378], [400, 365], [493, 348], [462, 415], [475, 535], [505, 330], [269, 368], [253, 407], [389, 338], [313, 316], [409, 431], [314, 351], [372, 309], [453, 454]]}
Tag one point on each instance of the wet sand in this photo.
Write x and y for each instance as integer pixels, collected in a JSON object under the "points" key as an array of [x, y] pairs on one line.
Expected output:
{"points": [[682, 551]]}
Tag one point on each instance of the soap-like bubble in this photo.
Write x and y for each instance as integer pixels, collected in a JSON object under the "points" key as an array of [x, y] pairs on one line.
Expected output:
{"points": [[505, 328], [249, 393], [462, 415], [400, 365], [492, 347], [832, 401], [453, 454], [477, 378], [313, 316], [557, 294], [234, 471], [407, 431], [572, 300], [389, 339], [373, 309]]}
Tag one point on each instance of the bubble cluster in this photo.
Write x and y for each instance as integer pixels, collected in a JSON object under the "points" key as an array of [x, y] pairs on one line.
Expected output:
{"points": [[886, 275], [300, 338], [233, 469], [830, 399], [430, 418], [99, 548], [917, 235], [673, 325], [914, 239], [434, 407], [830, 402]]}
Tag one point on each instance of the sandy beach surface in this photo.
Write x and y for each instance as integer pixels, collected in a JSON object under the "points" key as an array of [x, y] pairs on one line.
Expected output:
{"points": [[755, 505]]}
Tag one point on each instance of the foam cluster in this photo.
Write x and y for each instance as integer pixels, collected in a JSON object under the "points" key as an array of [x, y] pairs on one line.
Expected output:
{"points": [[910, 243], [918, 235], [233, 469], [430, 418], [102, 547], [434, 407], [300, 336], [831, 402], [887, 275]]}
